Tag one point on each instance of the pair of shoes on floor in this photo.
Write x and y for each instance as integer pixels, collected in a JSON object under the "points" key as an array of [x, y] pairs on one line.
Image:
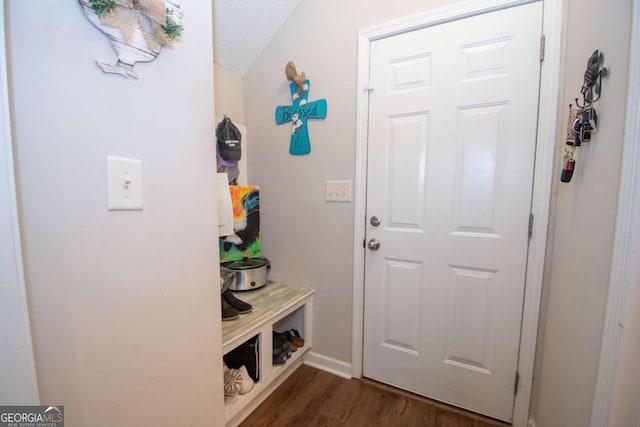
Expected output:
{"points": [[236, 381], [282, 357], [233, 307], [281, 348], [280, 343], [294, 338]]}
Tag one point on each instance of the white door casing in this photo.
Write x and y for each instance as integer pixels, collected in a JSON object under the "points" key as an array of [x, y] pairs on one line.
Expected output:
{"points": [[452, 129]]}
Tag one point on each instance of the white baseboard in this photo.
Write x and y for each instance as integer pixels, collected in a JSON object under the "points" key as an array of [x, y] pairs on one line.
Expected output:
{"points": [[328, 364], [532, 422]]}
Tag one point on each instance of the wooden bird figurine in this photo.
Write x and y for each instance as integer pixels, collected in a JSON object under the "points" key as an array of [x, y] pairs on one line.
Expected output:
{"points": [[293, 76]]}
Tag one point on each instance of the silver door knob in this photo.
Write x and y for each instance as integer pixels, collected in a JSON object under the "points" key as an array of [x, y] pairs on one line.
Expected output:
{"points": [[374, 244], [375, 221]]}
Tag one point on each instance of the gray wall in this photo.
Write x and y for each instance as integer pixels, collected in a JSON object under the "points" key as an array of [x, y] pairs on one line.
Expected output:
{"points": [[310, 241], [229, 94], [124, 305]]}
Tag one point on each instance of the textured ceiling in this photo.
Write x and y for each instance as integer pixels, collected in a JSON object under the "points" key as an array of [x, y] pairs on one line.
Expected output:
{"points": [[243, 28]]}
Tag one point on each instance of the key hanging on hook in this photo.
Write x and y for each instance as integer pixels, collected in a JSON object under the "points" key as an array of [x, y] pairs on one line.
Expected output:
{"points": [[569, 165]]}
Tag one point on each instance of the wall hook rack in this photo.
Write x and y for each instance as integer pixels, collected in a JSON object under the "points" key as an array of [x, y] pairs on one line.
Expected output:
{"points": [[592, 79], [583, 120]]}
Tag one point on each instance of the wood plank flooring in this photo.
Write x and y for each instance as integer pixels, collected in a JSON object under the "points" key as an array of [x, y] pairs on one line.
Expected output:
{"points": [[311, 397]]}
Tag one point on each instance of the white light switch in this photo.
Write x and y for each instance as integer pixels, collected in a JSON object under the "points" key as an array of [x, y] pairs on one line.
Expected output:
{"points": [[124, 183], [338, 191]]}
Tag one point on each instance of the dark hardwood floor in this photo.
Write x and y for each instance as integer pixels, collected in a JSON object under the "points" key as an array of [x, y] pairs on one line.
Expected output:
{"points": [[310, 397]]}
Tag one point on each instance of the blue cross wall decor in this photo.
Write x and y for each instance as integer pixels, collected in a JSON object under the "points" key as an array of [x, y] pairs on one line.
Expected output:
{"points": [[298, 113]]}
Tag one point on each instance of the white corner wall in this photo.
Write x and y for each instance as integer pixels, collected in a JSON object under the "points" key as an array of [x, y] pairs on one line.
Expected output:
{"points": [[582, 223], [124, 305], [625, 410], [17, 368]]}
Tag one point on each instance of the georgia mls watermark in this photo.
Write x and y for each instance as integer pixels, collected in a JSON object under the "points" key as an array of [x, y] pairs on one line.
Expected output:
{"points": [[32, 416]]}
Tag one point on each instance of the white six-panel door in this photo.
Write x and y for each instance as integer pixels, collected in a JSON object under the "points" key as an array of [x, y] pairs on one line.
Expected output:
{"points": [[451, 144]]}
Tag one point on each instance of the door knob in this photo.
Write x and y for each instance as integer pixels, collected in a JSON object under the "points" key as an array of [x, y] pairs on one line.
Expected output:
{"points": [[374, 244], [375, 221]]}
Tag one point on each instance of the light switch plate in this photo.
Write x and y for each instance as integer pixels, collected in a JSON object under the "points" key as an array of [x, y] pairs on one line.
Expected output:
{"points": [[124, 183], [338, 191]]}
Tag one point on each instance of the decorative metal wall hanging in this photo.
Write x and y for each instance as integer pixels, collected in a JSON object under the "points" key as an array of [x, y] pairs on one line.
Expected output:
{"points": [[300, 111], [583, 119], [137, 29]]}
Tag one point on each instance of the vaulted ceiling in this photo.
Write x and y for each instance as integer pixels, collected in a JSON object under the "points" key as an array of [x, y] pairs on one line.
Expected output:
{"points": [[243, 28]]}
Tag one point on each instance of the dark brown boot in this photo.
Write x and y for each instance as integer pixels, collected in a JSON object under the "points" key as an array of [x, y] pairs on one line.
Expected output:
{"points": [[228, 312], [241, 306]]}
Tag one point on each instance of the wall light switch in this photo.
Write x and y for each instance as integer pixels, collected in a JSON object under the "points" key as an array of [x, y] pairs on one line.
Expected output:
{"points": [[124, 183], [338, 191]]}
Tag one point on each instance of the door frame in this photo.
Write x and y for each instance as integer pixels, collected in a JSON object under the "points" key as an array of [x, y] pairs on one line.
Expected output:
{"points": [[554, 12]]}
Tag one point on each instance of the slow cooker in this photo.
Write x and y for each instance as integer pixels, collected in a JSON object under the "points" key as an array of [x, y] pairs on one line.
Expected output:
{"points": [[250, 273]]}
